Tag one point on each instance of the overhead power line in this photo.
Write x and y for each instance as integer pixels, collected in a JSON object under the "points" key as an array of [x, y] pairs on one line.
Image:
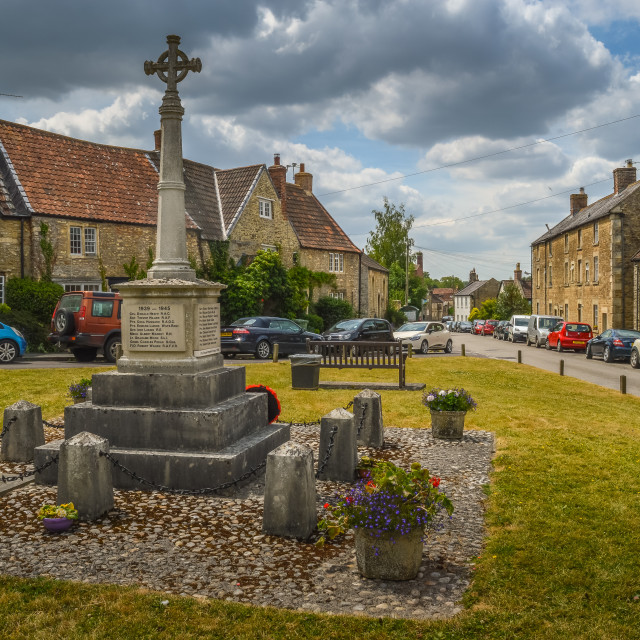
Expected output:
{"points": [[11, 95], [484, 157]]}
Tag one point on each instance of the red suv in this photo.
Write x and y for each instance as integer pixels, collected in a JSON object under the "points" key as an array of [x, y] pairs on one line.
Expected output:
{"points": [[85, 321]]}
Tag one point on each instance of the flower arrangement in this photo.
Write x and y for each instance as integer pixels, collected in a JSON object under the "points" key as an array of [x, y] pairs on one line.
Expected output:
{"points": [[58, 511], [390, 499], [78, 391], [451, 400]]}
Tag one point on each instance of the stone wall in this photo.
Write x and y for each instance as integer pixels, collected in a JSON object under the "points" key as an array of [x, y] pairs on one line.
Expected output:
{"points": [[348, 282], [252, 233], [10, 248]]}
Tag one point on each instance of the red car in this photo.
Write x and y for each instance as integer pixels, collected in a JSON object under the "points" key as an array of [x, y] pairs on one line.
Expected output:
{"points": [[569, 335], [489, 327], [477, 326]]}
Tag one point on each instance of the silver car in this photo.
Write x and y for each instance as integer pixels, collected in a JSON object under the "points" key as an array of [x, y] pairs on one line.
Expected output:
{"points": [[425, 336]]}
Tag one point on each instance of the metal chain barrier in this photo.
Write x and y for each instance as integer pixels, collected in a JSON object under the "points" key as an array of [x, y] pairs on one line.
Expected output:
{"points": [[182, 492], [314, 422], [364, 410], [28, 474], [53, 426], [6, 426], [323, 464]]}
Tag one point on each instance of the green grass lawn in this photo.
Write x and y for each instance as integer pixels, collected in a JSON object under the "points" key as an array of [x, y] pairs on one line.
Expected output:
{"points": [[562, 558]]}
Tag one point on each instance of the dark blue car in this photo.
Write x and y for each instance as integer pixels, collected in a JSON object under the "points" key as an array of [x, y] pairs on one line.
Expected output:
{"points": [[12, 344], [612, 344]]}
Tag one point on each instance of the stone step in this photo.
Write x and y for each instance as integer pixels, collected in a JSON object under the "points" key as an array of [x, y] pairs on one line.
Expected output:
{"points": [[204, 430], [191, 470]]}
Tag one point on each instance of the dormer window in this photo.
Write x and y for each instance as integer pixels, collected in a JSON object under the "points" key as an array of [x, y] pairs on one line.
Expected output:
{"points": [[266, 209]]}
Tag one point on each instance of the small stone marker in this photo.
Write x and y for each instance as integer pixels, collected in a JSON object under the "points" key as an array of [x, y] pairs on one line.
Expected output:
{"points": [[290, 492], [372, 431], [341, 464], [24, 432], [84, 477]]}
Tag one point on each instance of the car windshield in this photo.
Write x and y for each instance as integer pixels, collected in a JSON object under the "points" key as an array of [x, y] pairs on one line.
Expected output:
{"points": [[346, 325], [626, 333], [521, 322], [413, 326], [464, 323], [548, 323]]}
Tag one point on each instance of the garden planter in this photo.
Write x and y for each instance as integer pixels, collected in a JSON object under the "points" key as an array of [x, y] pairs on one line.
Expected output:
{"points": [[385, 555], [447, 425], [57, 525]]}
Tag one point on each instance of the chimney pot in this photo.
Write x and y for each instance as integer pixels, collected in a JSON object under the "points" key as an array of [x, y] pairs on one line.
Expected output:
{"points": [[623, 177], [303, 179], [278, 175], [578, 201], [276, 159]]}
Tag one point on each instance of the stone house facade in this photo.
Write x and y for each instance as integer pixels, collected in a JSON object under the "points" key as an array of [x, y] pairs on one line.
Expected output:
{"points": [[473, 295], [583, 268]]}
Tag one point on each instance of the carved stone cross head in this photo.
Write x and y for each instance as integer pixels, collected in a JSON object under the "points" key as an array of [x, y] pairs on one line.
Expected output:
{"points": [[173, 65]]}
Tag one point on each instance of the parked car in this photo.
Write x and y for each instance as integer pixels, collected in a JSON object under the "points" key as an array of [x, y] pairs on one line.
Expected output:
{"points": [[12, 344], [477, 326], [85, 321], [612, 344], [465, 327], [425, 336], [539, 327], [569, 335], [634, 358], [500, 332], [370, 329], [489, 327], [518, 325], [257, 335]]}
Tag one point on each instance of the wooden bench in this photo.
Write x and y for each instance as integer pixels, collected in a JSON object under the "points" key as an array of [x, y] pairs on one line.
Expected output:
{"points": [[342, 354]]}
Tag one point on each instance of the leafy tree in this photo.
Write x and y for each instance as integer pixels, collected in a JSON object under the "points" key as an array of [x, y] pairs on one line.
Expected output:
{"points": [[451, 282], [511, 302], [37, 297], [332, 310], [388, 243], [475, 314], [134, 270], [488, 309]]}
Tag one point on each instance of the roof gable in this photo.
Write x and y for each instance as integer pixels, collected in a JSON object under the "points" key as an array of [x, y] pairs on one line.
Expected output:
{"points": [[235, 189]]}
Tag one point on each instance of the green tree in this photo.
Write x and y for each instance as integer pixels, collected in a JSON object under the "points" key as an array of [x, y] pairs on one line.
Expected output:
{"points": [[388, 243], [332, 310], [488, 309], [511, 302], [451, 282], [475, 314]]}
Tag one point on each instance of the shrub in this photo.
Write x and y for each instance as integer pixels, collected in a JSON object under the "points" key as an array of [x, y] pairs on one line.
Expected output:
{"points": [[39, 298], [395, 317], [314, 323], [34, 331], [332, 310]]}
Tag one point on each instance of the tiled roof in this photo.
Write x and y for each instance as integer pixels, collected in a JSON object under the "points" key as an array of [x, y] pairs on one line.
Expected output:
{"points": [[370, 263], [312, 223], [471, 288], [72, 178], [443, 291], [235, 187], [599, 209]]}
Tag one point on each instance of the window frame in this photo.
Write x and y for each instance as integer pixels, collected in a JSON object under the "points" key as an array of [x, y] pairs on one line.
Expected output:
{"points": [[87, 242], [596, 232], [75, 243], [2, 288], [596, 269], [265, 208]]}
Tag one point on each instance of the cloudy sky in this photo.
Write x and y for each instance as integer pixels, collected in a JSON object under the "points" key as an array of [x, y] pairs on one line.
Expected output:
{"points": [[466, 111]]}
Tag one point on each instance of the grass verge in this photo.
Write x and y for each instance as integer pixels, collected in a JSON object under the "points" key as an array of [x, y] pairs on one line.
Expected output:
{"points": [[561, 559]]}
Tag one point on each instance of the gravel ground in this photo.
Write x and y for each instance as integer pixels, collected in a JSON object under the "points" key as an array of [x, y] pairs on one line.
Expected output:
{"points": [[213, 547]]}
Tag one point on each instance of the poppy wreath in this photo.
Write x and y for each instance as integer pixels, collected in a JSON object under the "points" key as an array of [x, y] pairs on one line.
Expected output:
{"points": [[273, 404]]}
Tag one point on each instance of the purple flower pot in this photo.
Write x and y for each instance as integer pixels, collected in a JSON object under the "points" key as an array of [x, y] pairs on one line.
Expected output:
{"points": [[57, 524]]}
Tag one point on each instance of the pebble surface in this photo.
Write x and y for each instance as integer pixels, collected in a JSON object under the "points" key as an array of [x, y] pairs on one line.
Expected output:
{"points": [[213, 547]]}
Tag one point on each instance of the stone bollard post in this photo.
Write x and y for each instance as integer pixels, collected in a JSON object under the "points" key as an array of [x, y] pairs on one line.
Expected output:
{"points": [[372, 431], [84, 476], [23, 431], [342, 461], [290, 492]]}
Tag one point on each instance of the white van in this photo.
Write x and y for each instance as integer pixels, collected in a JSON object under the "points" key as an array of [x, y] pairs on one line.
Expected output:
{"points": [[539, 328], [518, 326]]}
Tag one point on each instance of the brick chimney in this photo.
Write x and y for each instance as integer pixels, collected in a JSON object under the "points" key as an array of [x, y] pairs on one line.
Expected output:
{"points": [[278, 175], [578, 201], [623, 177], [473, 276], [517, 274], [304, 179], [157, 135], [419, 265]]}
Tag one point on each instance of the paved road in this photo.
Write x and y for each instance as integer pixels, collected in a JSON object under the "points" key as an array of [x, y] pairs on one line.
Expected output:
{"points": [[52, 361], [575, 363]]}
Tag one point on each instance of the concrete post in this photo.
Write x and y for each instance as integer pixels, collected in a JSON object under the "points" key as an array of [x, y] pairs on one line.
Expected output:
{"points": [[342, 461], [290, 492], [372, 431], [24, 432], [84, 477]]}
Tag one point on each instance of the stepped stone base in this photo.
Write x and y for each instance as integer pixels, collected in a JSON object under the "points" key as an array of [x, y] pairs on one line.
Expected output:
{"points": [[180, 430]]}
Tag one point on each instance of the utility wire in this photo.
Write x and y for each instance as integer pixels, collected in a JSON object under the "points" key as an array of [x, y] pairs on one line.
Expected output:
{"points": [[484, 157], [11, 95]]}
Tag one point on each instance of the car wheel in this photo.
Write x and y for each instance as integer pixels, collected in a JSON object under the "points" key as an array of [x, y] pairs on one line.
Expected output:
{"points": [[559, 346], [263, 350], [424, 347], [588, 353], [635, 359], [547, 345], [8, 351], [111, 348], [538, 345], [85, 354], [606, 354], [63, 322], [449, 347]]}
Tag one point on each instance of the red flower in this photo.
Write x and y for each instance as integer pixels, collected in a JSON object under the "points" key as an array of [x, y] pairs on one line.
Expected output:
{"points": [[370, 484], [435, 482], [326, 505], [348, 499]]}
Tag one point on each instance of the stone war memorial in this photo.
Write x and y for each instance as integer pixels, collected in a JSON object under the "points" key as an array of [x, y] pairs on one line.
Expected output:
{"points": [[172, 413]]}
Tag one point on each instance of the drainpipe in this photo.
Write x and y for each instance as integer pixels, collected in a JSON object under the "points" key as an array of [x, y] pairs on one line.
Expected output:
{"points": [[624, 317], [22, 247], [360, 283]]}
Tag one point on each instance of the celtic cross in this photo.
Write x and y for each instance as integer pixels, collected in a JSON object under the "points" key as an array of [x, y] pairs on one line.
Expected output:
{"points": [[173, 65]]}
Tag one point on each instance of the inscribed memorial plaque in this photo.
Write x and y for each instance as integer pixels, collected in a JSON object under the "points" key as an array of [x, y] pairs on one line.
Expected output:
{"points": [[156, 327], [207, 330]]}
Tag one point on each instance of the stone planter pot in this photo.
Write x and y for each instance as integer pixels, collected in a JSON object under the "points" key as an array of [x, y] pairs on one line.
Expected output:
{"points": [[447, 425], [57, 525], [382, 555]]}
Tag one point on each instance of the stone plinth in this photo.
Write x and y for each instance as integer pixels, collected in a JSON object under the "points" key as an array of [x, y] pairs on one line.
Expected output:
{"points": [[372, 431], [341, 465], [23, 421], [170, 326]]}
